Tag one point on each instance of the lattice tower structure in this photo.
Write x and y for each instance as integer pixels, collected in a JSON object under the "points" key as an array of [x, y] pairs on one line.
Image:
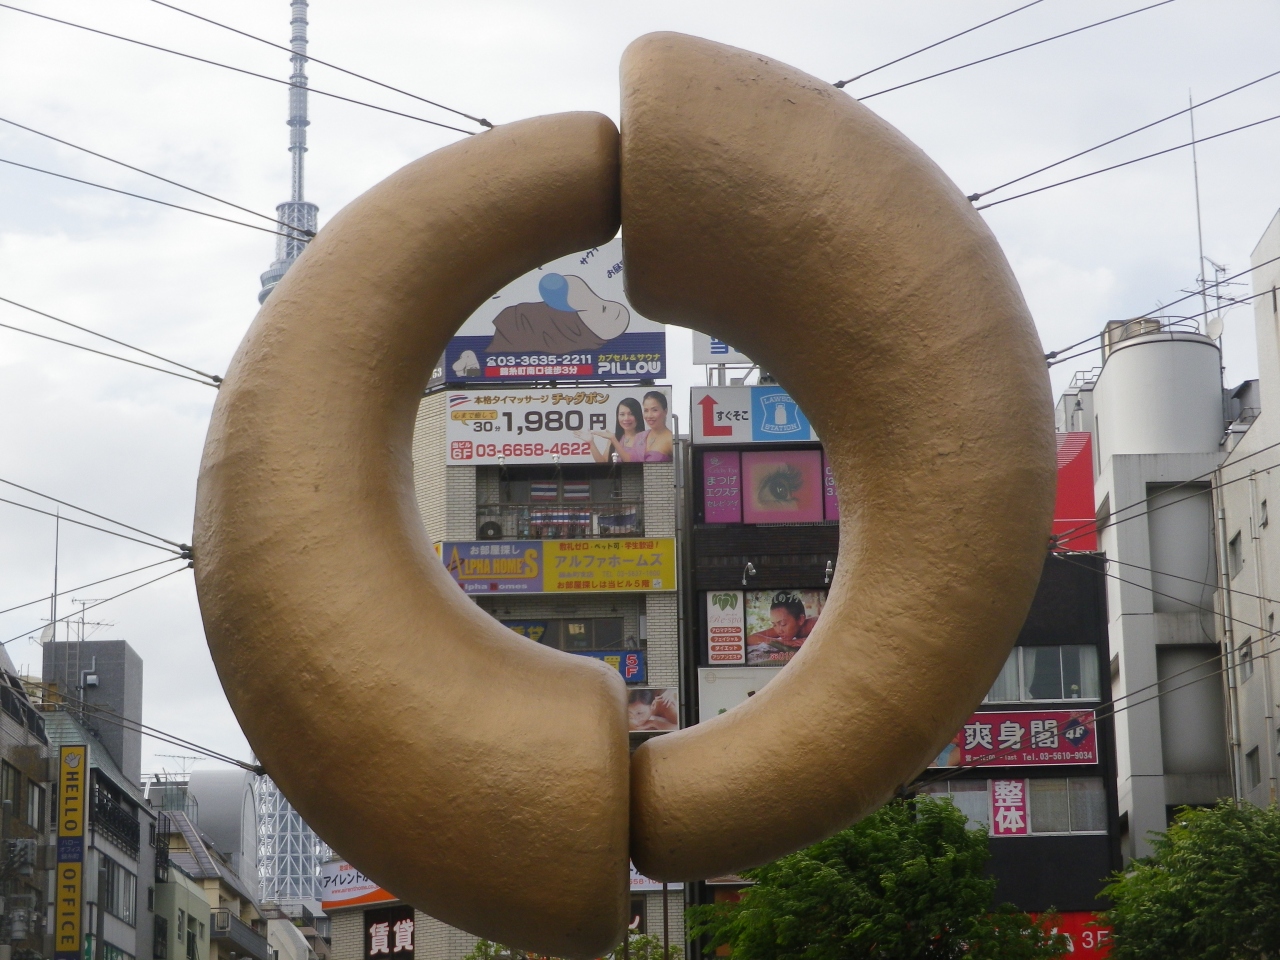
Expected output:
{"points": [[290, 854]]}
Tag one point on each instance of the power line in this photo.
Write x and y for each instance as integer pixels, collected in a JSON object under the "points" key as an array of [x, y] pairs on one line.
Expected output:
{"points": [[249, 73], [975, 197], [1126, 163], [136, 363], [99, 603], [146, 173], [1005, 53], [44, 496], [81, 523], [40, 313], [85, 586], [908, 56], [333, 66], [142, 196]]}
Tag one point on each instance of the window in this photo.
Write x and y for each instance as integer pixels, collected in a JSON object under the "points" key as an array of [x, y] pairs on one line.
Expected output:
{"points": [[1048, 673], [182, 923], [1253, 768], [193, 946], [584, 633], [10, 787], [1246, 659], [35, 805], [111, 952], [969, 797], [117, 890], [1235, 555], [160, 939]]}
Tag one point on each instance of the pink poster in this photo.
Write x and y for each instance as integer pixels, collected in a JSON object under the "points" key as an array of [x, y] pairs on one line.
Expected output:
{"points": [[783, 486], [721, 488], [1009, 808], [830, 505]]}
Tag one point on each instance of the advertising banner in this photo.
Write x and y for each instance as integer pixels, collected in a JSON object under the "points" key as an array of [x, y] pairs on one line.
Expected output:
{"points": [[562, 566], [567, 320], [639, 882], [778, 622], [388, 932], [1023, 738], [559, 426], [68, 901], [747, 415], [1086, 936], [830, 502], [1074, 518], [653, 710], [720, 690], [1009, 808], [722, 487], [782, 486], [726, 628], [342, 885], [707, 349], [629, 663]]}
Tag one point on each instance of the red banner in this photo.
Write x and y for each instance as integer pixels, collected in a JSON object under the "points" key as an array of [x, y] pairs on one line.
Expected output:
{"points": [[1023, 738], [1085, 938]]}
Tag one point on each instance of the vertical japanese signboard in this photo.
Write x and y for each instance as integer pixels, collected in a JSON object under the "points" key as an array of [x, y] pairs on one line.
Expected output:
{"points": [[73, 790], [1009, 808], [726, 628]]}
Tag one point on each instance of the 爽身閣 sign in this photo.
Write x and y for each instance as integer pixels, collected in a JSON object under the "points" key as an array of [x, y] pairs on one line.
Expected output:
{"points": [[73, 791], [562, 566], [1023, 738]]}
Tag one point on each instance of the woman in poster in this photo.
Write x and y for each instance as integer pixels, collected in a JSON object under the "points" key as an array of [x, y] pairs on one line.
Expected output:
{"points": [[652, 711], [659, 441], [789, 626], [627, 440]]}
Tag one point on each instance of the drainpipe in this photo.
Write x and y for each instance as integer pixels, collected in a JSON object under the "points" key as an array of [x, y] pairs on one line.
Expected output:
{"points": [[1265, 640], [1228, 645]]}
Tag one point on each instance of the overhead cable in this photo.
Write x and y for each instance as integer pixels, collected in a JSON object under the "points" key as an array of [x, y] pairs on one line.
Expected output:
{"points": [[292, 234], [1106, 143], [148, 173], [98, 603], [1005, 53], [333, 66], [99, 516], [81, 523], [1126, 163], [227, 66], [908, 56], [84, 586], [40, 313]]}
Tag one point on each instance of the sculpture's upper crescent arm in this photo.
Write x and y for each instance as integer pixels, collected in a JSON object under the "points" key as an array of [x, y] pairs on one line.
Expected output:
{"points": [[768, 209]]}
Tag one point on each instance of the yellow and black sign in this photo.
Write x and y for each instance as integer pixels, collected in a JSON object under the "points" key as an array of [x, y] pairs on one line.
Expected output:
{"points": [[73, 795]]}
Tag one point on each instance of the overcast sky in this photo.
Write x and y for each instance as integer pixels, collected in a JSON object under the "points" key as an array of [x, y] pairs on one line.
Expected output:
{"points": [[126, 441]]}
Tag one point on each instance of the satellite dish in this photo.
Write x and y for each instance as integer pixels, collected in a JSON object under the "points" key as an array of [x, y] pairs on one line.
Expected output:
{"points": [[1213, 327], [46, 635]]}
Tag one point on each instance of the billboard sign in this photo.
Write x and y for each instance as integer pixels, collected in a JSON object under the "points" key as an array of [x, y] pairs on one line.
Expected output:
{"points": [[779, 622], [562, 566], [68, 903], [1074, 519], [342, 885], [1023, 738], [720, 690], [722, 487], [388, 932], [629, 663], [641, 883], [653, 710], [707, 349], [767, 486], [726, 628], [748, 415], [1086, 935], [559, 426], [1009, 808], [567, 320]]}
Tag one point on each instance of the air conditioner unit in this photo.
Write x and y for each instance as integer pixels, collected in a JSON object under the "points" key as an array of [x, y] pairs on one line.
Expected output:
{"points": [[490, 530]]}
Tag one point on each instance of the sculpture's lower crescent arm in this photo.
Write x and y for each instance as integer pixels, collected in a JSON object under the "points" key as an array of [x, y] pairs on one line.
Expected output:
{"points": [[476, 775], [766, 208]]}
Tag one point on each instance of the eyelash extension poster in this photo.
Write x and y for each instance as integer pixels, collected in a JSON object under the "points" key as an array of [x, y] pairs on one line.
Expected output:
{"points": [[782, 487]]}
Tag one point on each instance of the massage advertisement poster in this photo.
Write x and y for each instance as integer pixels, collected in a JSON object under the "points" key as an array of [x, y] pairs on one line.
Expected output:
{"points": [[549, 425], [567, 320], [1023, 738], [653, 710], [779, 622]]}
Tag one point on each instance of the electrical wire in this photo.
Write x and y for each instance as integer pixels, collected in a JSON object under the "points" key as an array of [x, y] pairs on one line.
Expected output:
{"points": [[333, 66], [248, 73], [1126, 163], [147, 173], [975, 197], [85, 586], [99, 516], [1201, 583], [27, 633], [78, 346], [908, 56], [81, 523], [143, 196], [40, 313], [1005, 53]]}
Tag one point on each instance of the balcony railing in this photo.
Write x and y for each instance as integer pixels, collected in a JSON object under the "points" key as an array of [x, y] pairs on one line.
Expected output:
{"points": [[559, 521], [114, 820], [225, 925]]}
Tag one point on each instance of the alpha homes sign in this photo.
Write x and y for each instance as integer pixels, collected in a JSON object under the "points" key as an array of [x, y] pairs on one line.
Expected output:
{"points": [[562, 566]]}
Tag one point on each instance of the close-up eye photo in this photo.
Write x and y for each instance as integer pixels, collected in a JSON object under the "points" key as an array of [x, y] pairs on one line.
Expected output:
{"points": [[779, 488]]}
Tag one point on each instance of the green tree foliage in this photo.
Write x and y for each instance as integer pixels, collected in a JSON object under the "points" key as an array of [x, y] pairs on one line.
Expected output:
{"points": [[906, 882], [643, 946], [1210, 891]]}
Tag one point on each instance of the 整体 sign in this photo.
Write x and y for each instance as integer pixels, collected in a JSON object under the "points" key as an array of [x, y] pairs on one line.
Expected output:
{"points": [[591, 425], [562, 566], [342, 885], [73, 792], [1023, 738], [567, 320], [747, 415]]}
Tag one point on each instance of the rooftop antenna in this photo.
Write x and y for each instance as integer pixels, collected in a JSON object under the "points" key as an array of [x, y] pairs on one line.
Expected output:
{"points": [[296, 217], [53, 611], [1195, 175]]}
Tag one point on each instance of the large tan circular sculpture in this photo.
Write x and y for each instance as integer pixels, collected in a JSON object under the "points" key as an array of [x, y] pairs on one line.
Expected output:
{"points": [[483, 778]]}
